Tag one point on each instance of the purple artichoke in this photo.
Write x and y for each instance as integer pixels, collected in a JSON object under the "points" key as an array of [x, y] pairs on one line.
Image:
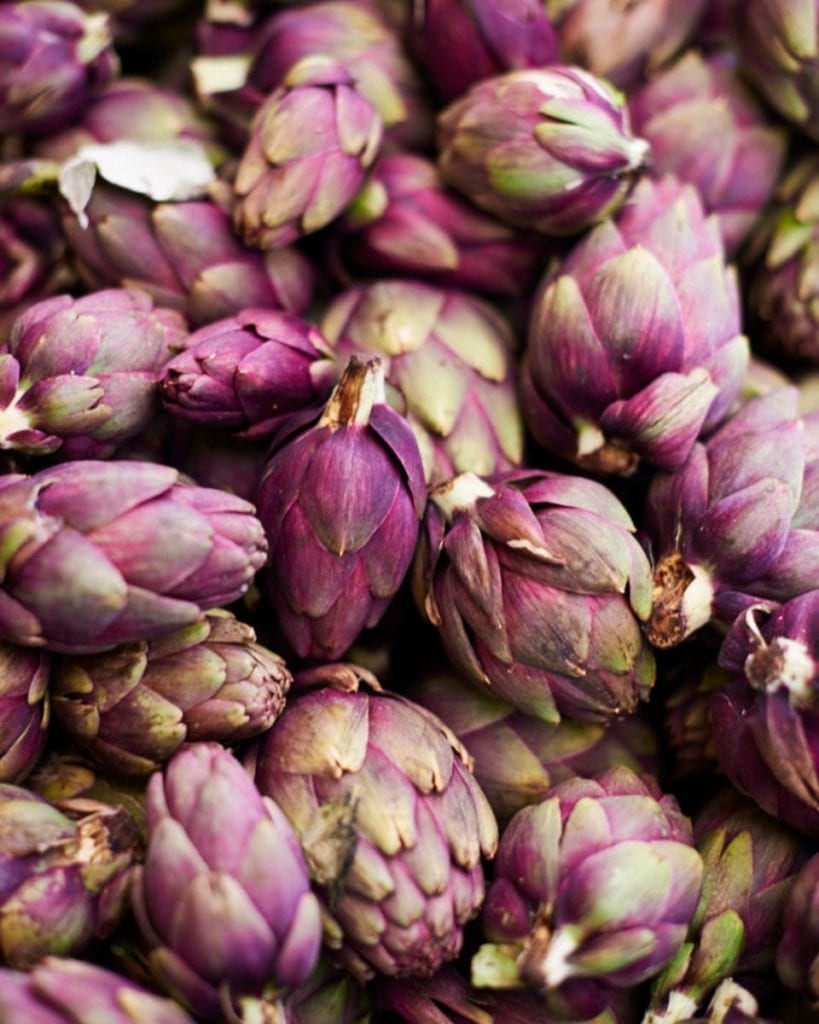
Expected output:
{"points": [[750, 862], [797, 955], [62, 991], [784, 291], [545, 149], [461, 42], [519, 759], [341, 504], [739, 520], [184, 255], [539, 589], [223, 899], [214, 459], [290, 182], [54, 58], [133, 707], [81, 375], [766, 720], [404, 221], [625, 361], [62, 882], [99, 553], [778, 42], [599, 881], [450, 370], [380, 794], [706, 128], [355, 35], [24, 710], [249, 372], [622, 41]]}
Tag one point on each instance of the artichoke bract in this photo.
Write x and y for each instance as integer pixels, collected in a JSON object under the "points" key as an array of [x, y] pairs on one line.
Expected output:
{"points": [[248, 372], [461, 42], [133, 707], [64, 991], [625, 361], [393, 824], [80, 376], [778, 43], [62, 882], [539, 590], [797, 955], [185, 255], [355, 34], [405, 221], [24, 709], [97, 554], [766, 719], [622, 41], [546, 149], [784, 293], [518, 758], [449, 364], [291, 182], [705, 127], [599, 881], [329, 996], [54, 57], [737, 521], [223, 899], [750, 862], [341, 504]]}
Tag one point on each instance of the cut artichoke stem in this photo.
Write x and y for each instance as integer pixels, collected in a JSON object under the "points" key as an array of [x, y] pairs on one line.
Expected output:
{"points": [[360, 388], [96, 37], [496, 966], [729, 996], [679, 1007], [12, 420], [549, 965], [460, 494], [783, 664], [683, 601], [599, 454]]}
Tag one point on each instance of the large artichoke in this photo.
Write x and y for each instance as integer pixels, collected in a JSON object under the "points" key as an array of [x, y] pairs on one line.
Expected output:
{"points": [[394, 826], [223, 899], [539, 590], [625, 361], [98, 553]]}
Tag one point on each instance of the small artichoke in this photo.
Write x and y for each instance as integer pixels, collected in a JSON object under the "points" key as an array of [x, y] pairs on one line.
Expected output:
{"points": [[54, 57], [80, 376], [625, 362], [24, 709], [133, 707], [249, 372], [223, 899], [291, 182], [341, 504], [545, 149]]}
